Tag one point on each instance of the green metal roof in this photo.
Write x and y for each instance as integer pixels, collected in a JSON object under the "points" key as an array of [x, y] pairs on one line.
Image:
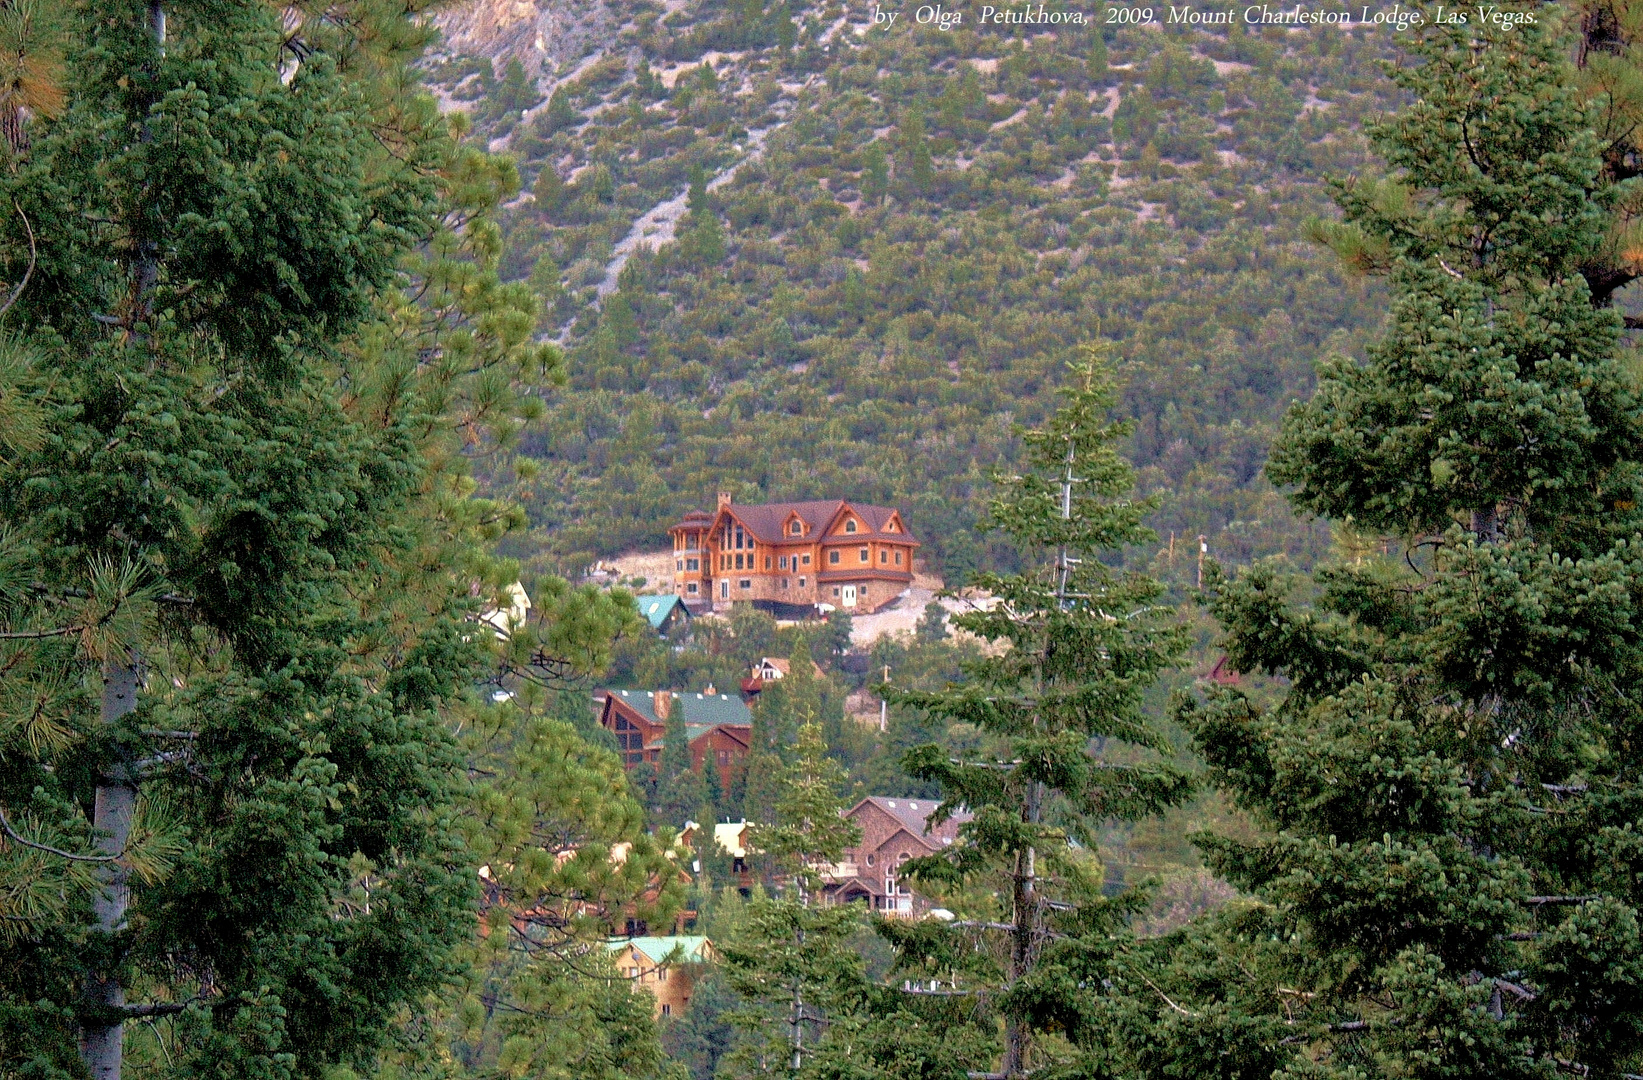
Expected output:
{"points": [[657, 608], [697, 710], [658, 949]]}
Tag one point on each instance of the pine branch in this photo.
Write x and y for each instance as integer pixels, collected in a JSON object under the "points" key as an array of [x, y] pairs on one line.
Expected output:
{"points": [[5, 824]]}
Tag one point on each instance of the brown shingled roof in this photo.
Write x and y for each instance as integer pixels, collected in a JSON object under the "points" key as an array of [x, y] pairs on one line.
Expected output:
{"points": [[765, 520], [914, 815]]}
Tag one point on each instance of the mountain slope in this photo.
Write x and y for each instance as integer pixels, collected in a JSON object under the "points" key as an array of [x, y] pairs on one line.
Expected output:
{"points": [[897, 237]]}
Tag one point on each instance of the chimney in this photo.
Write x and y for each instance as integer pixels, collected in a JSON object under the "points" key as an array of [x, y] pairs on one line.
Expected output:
{"points": [[724, 499], [709, 690], [664, 704]]}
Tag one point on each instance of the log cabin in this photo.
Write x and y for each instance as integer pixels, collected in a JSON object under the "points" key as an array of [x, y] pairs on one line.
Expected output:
{"points": [[794, 560], [719, 727]]}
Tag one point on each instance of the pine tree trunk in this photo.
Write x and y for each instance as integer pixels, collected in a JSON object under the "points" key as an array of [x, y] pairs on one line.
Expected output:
{"points": [[102, 1029], [1485, 523], [102, 1036], [1024, 938]]}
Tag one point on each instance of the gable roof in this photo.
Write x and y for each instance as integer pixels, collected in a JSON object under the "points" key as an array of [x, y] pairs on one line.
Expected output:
{"points": [[658, 608], [766, 520], [657, 949], [704, 710], [914, 816]]}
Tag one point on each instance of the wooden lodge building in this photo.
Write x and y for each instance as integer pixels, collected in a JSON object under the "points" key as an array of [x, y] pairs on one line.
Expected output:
{"points": [[719, 727], [792, 558]]}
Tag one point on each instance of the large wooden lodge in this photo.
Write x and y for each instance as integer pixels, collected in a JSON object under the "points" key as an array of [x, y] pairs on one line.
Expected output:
{"points": [[791, 559]]}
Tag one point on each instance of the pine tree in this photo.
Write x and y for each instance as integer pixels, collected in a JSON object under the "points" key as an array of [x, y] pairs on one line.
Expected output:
{"points": [[236, 525], [1084, 642], [567, 862], [791, 963], [680, 791], [1443, 884]]}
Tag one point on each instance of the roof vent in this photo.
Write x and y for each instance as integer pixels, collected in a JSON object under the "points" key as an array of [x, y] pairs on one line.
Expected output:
{"points": [[890, 802], [912, 806]]}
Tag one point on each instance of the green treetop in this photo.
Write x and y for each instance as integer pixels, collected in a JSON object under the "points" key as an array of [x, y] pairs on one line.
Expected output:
{"points": [[791, 961], [1444, 878], [239, 537], [1498, 396], [1081, 643]]}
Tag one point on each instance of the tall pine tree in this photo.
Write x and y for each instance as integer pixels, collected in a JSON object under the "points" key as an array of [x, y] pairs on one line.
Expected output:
{"points": [[1445, 884], [1082, 643], [234, 537]]}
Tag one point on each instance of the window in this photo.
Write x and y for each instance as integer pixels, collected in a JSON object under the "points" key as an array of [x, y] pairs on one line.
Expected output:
{"points": [[784, 583], [678, 564], [898, 558], [833, 557], [690, 588], [863, 554], [739, 565], [724, 590], [801, 583], [739, 536], [696, 564], [745, 583], [661, 976], [667, 1010], [784, 562], [767, 562], [835, 590], [884, 556], [861, 590], [723, 757], [796, 528], [870, 858], [850, 526], [807, 558]]}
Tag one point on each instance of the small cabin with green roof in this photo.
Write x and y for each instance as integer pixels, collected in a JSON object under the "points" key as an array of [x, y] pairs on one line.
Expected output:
{"points": [[664, 613], [668, 967]]}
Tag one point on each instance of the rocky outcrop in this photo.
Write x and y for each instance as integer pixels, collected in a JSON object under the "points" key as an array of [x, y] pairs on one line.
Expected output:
{"points": [[540, 34]]}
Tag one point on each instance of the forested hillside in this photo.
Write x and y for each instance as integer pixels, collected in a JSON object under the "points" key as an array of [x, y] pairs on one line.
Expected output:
{"points": [[818, 257]]}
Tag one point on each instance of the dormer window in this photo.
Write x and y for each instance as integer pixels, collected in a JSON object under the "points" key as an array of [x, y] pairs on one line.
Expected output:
{"points": [[796, 528], [850, 526]]}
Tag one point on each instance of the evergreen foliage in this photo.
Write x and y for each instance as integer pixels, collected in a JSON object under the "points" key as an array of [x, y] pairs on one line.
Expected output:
{"points": [[1083, 641], [1439, 887], [239, 538], [792, 963]]}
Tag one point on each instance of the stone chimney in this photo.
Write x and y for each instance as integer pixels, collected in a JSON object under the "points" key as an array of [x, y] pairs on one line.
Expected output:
{"points": [[664, 704], [724, 499]]}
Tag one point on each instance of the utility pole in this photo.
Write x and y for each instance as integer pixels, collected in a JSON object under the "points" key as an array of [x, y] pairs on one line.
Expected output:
{"points": [[884, 706]]}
